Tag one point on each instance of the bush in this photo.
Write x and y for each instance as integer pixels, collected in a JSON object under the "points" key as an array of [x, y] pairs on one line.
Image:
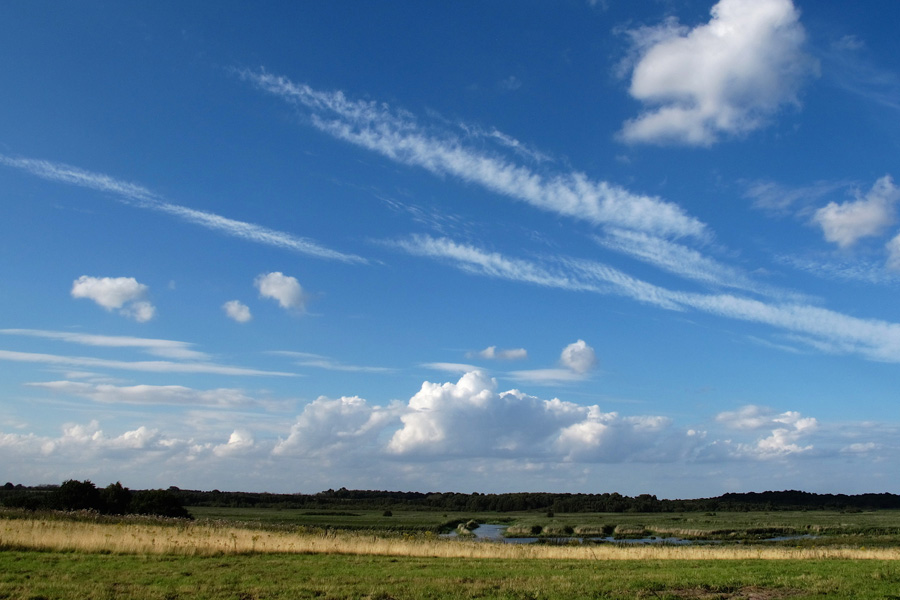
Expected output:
{"points": [[77, 495]]}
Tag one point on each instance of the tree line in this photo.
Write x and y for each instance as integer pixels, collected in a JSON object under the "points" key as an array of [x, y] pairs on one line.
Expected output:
{"points": [[74, 495], [115, 499]]}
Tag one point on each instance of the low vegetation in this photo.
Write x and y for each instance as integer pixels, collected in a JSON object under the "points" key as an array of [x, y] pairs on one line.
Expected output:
{"points": [[394, 551]]}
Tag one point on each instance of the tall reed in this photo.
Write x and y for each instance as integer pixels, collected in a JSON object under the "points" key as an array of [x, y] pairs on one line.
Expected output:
{"points": [[210, 539]]}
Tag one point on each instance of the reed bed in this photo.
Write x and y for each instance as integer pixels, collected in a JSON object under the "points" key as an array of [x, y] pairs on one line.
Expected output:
{"points": [[205, 539]]}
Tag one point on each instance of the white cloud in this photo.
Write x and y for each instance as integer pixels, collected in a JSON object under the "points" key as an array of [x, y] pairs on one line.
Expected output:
{"points": [[165, 348], [398, 137], [844, 224], [469, 418], [450, 367], [174, 395], [284, 289], [491, 353], [492, 264], [157, 366], [818, 327], [780, 199], [124, 294], [786, 430], [579, 357], [239, 442], [577, 360], [307, 359], [609, 437], [141, 197], [679, 259], [237, 311], [727, 76], [893, 253], [87, 442], [547, 376], [327, 427], [467, 425]]}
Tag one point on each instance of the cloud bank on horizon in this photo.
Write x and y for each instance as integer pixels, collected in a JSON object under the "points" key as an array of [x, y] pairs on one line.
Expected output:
{"points": [[624, 250]]}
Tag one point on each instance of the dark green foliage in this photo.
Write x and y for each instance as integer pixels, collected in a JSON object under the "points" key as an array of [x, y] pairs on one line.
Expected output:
{"points": [[76, 495], [114, 499], [164, 503]]}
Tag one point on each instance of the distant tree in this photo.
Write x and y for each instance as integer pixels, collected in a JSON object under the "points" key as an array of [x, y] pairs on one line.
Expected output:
{"points": [[116, 499], [158, 502], [76, 495]]}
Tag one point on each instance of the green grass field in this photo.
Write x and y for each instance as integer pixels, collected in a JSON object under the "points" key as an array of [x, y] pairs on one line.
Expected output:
{"points": [[52, 575]]}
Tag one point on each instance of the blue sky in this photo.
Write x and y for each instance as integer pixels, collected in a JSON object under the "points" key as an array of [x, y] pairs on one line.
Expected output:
{"points": [[579, 246]]}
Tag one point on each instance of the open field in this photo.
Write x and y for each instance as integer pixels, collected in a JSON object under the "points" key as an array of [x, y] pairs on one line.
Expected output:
{"points": [[91, 557], [90, 576]]}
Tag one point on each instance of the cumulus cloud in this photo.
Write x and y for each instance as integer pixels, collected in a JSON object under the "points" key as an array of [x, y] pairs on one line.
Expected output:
{"points": [[124, 294], [609, 437], [239, 442], [579, 357], [468, 423], [237, 311], [576, 361], [470, 418], [845, 223], [328, 426], [284, 289], [727, 76], [492, 353], [81, 442], [785, 431]]}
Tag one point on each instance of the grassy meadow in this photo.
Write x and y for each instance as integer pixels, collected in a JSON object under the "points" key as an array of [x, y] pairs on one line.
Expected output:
{"points": [[90, 576], [243, 554]]}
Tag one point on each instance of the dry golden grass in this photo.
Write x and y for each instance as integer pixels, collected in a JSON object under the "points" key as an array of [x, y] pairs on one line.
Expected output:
{"points": [[210, 539]]}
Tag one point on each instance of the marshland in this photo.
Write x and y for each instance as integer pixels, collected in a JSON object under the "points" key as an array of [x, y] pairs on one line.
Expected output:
{"points": [[337, 551]]}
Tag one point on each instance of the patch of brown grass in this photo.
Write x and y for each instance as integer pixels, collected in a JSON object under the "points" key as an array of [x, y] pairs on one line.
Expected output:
{"points": [[194, 538]]}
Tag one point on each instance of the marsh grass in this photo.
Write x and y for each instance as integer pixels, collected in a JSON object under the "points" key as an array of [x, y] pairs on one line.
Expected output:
{"points": [[206, 539]]}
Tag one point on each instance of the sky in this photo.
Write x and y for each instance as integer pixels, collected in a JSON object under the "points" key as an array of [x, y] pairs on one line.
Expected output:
{"points": [[575, 246]]}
